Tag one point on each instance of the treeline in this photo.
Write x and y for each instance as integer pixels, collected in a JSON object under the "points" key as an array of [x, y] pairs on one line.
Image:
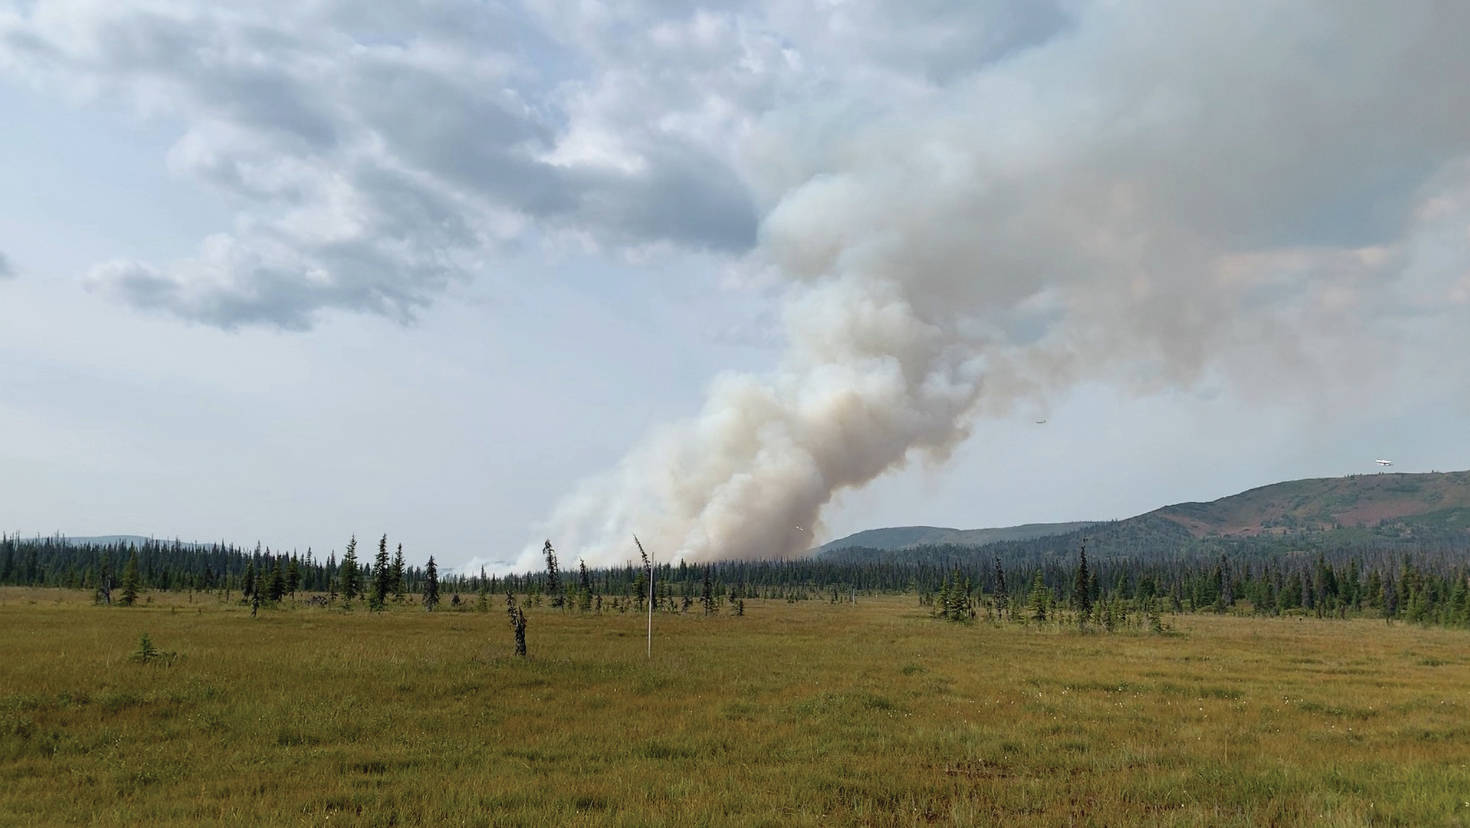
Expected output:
{"points": [[1272, 576], [1424, 591], [173, 565]]}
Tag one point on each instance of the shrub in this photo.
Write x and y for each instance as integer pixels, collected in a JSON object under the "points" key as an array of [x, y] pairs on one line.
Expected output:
{"points": [[147, 653]]}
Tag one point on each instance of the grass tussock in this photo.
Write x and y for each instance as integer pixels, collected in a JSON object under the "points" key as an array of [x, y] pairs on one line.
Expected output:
{"points": [[796, 714]]}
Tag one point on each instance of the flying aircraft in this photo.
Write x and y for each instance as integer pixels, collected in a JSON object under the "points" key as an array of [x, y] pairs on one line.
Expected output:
{"points": [[1383, 462], [1041, 421]]}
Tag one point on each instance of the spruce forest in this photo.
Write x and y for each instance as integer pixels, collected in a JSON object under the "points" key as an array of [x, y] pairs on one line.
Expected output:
{"points": [[1420, 583]]}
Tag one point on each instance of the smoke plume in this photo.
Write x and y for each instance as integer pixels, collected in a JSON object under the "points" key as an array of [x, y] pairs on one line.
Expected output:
{"points": [[1133, 202]]}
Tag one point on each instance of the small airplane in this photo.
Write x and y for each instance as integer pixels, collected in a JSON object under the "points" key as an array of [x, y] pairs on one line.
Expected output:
{"points": [[1383, 462], [1041, 421]]}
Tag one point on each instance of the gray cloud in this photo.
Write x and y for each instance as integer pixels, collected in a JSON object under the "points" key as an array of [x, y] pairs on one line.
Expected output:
{"points": [[501, 124], [375, 157], [6, 270]]}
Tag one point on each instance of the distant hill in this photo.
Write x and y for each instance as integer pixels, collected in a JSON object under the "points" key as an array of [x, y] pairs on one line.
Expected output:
{"points": [[903, 537], [1440, 498], [1382, 512]]}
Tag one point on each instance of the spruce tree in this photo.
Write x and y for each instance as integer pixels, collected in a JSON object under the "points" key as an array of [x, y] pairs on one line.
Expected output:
{"points": [[398, 573], [1040, 597], [1390, 601], [382, 576], [104, 580], [130, 581], [293, 576], [640, 588], [553, 576], [431, 586], [248, 585], [351, 586], [1082, 584], [584, 587], [276, 586], [1002, 595], [1223, 596], [707, 593]]}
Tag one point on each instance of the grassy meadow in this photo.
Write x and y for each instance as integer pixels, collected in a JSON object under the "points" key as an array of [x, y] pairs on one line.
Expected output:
{"points": [[804, 714]]}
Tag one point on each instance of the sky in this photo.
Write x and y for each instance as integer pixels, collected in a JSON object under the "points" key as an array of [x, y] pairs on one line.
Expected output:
{"points": [[740, 278]]}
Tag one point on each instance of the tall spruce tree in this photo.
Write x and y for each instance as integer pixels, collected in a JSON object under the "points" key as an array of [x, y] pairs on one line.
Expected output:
{"points": [[351, 586], [431, 586], [553, 576], [1002, 595], [275, 588], [130, 581], [382, 576], [398, 573], [105, 580], [584, 587], [1040, 597], [1082, 584], [1223, 596]]}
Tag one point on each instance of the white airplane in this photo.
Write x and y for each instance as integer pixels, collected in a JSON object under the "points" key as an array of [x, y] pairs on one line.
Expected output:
{"points": [[1383, 462], [1041, 421]]}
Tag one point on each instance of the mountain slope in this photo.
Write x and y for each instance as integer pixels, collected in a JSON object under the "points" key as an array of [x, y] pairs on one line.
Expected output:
{"points": [[902, 537], [1379, 511], [1328, 503]]}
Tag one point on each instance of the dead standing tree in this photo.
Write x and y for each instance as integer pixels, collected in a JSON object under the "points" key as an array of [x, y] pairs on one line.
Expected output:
{"points": [[517, 622], [648, 566]]}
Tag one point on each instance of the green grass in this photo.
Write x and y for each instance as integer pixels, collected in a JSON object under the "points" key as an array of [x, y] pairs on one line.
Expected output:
{"points": [[803, 713]]}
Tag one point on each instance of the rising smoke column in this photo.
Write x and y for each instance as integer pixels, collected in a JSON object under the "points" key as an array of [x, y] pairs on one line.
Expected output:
{"points": [[865, 381], [1139, 202], [886, 359]]}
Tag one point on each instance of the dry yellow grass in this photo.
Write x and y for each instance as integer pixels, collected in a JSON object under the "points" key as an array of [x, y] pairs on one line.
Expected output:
{"points": [[796, 714]]}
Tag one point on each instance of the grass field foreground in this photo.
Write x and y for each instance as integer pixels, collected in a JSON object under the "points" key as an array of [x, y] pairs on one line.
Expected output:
{"points": [[805, 713]]}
